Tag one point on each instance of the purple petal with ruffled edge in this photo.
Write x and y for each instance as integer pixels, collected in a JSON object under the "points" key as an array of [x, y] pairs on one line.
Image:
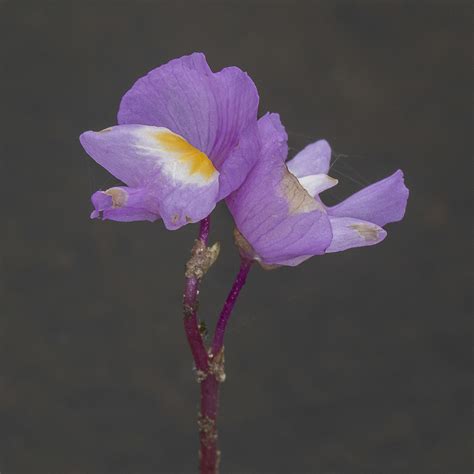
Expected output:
{"points": [[177, 181], [214, 112], [280, 221], [313, 159], [380, 203]]}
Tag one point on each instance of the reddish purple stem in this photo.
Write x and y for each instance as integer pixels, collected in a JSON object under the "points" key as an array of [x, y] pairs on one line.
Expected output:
{"points": [[224, 317], [207, 364], [190, 302], [209, 454]]}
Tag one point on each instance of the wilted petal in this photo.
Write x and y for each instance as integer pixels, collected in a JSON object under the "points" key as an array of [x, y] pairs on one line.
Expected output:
{"points": [[210, 110], [313, 159], [272, 211], [125, 205], [180, 177], [348, 233], [381, 202]]}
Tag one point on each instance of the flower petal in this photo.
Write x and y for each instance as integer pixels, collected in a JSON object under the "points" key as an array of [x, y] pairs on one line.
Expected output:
{"points": [[348, 233], [317, 183], [381, 202], [240, 161], [210, 110], [314, 159], [125, 205], [272, 211], [138, 154], [181, 178]]}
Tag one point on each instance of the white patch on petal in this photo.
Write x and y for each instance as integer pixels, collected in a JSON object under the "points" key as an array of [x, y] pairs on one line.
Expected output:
{"points": [[317, 183], [177, 158]]}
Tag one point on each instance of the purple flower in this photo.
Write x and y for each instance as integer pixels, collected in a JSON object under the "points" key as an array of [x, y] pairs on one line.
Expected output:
{"points": [[187, 137], [280, 217]]}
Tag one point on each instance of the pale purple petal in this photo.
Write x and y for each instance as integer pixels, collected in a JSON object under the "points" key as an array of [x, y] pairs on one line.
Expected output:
{"points": [[240, 161], [272, 211], [184, 204], [380, 203], [313, 159], [125, 205], [180, 178], [349, 233], [210, 110], [121, 151]]}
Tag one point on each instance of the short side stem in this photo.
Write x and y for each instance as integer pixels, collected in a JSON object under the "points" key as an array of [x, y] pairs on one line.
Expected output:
{"points": [[209, 453], [239, 282]]}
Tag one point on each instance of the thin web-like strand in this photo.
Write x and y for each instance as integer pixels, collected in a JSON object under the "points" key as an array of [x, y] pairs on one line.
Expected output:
{"points": [[350, 168]]}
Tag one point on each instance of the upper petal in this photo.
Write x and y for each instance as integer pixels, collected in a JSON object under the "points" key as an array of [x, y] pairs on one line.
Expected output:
{"points": [[180, 177], [210, 110], [139, 155], [381, 202], [274, 213], [313, 159]]}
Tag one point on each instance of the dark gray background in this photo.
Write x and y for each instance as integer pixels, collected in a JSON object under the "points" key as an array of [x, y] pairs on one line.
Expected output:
{"points": [[356, 362]]}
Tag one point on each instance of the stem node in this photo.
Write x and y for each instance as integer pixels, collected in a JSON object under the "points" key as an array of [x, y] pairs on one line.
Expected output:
{"points": [[216, 365], [200, 375], [202, 258]]}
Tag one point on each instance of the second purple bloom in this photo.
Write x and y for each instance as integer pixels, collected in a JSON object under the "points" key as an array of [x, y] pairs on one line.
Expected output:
{"points": [[280, 217]]}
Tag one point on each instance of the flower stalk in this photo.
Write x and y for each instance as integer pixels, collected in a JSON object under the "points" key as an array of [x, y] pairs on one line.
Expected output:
{"points": [[191, 302], [210, 372], [239, 282]]}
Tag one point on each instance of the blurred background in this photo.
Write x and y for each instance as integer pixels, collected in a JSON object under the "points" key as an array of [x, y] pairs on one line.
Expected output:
{"points": [[357, 362]]}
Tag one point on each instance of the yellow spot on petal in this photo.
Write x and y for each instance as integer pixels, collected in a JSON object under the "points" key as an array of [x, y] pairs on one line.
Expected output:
{"points": [[366, 231], [197, 161]]}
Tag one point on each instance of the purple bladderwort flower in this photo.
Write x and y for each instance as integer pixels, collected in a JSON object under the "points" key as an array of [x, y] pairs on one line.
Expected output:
{"points": [[280, 218], [187, 137]]}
